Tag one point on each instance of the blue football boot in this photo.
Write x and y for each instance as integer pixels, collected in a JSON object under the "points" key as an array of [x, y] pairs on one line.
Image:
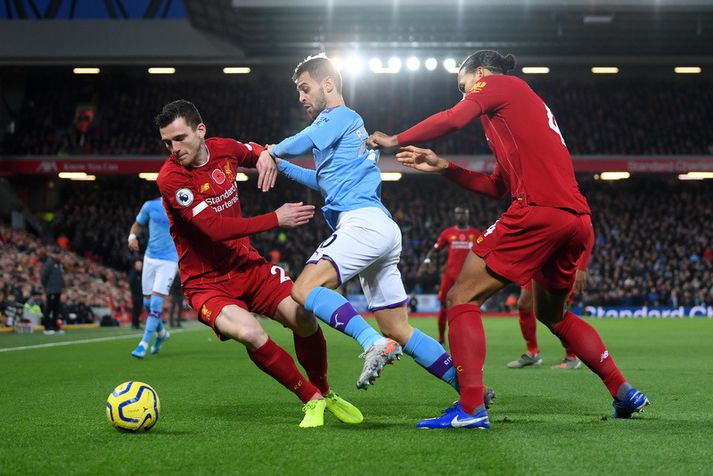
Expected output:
{"points": [[455, 417], [634, 402]]}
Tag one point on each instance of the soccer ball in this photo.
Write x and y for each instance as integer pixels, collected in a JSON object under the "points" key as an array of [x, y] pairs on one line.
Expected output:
{"points": [[133, 406]]}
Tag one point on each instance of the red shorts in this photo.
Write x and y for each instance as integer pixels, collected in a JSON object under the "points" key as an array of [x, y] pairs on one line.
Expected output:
{"points": [[259, 289], [540, 243], [447, 283]]}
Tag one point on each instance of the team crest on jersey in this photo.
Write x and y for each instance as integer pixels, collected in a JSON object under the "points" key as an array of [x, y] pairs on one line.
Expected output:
{"points": [[184, 197], [477, 87], [479, 240], [205, 187], [205, 312], [218, 176], [228, 172]]}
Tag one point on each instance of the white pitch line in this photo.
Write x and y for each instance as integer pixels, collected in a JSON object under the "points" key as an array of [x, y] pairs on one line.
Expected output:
{"points": [[87, 341]]}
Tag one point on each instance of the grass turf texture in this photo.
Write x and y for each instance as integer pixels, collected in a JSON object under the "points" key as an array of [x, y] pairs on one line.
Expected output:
{"points": [[221, 414]]}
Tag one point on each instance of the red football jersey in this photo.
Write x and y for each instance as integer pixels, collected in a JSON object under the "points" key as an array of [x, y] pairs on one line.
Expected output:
{"points": [[533, 163], [203, 209], [459, 242]]}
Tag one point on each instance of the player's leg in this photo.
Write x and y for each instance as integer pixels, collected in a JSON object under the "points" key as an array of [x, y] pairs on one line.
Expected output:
{"points": [[528, 327], [385, 293], [475, 284], [588, 345], [165, 274], [570, 360], [551, 288], [148, 276], [311, 350], [238, 324], [446, 284], [315, 290]]}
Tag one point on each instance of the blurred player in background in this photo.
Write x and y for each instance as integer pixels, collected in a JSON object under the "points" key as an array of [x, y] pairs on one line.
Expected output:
{"points": [[159, 269], [528, 321], [458, 240], [540, 237], [366, 241], [224, 278]]}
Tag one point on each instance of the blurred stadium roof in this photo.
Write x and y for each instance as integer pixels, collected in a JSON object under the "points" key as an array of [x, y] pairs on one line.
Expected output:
{"points": [[278, 31]]}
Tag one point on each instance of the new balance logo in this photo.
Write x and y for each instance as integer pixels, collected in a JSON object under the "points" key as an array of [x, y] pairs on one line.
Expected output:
{"points": [[604, 356]]}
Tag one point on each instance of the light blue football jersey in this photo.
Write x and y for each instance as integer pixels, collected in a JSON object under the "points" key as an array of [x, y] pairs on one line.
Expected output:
{"points": [[160, 244]]}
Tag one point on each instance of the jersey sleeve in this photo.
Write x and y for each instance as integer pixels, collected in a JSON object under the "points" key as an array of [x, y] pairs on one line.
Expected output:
{"points": [[442, 241], [492, 185], [143, 217], [441, 123], [489, 94], [294, 146], [182, 197], [245, 153], [329, 127]]}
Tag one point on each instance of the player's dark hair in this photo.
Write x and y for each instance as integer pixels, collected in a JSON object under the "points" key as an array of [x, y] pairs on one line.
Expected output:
{"points": [[490, 60], [180, 108], [319, 67]]}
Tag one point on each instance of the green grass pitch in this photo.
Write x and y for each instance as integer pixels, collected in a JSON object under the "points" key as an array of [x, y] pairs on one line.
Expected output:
{"points": [[220, 415]]}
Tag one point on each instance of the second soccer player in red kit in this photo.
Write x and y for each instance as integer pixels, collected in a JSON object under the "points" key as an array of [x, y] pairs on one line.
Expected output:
{"points": [[539, 238], [458, 240], [223, 277]]}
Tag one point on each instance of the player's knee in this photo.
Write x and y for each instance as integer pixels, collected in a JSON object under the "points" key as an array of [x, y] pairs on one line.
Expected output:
{"points": [[524, 303], [397, 330], [299, 294], [246, 332]]}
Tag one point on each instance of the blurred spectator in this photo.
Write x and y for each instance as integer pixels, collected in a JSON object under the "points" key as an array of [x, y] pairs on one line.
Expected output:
{"points": [[175, 313], [137, 297], [53, 283]]}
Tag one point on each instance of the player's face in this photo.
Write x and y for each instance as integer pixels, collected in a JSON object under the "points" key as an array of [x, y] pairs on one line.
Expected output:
{"points": [[311, 95], [461, 216], [466, 81], [182, 141]]}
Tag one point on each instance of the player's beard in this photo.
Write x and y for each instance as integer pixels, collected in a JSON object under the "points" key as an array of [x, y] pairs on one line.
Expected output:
{"points": [[319, 105]]}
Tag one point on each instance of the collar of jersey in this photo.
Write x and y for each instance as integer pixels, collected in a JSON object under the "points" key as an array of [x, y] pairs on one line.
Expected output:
{"points": [[206, 162]]}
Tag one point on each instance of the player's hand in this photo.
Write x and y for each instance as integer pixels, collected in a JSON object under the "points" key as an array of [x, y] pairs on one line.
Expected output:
{"points": [[424, 160], [379, 139], [134, 244], [266, 171], [291, 215], [580, 281]]}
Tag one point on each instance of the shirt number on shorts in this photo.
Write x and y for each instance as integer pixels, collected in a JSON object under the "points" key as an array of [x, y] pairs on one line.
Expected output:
{"points": [[553, 124], [277, 270], [328, 241]]}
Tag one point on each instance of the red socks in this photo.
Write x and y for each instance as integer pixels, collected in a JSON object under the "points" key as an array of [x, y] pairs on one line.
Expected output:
{"points": [[442, 319], [528, 326], [467, 340], [312, 355], [278, 364], [586, 343]]}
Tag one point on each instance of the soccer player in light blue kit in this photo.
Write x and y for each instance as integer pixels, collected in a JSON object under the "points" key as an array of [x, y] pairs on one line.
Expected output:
{"points": [[160, 266], [366, 241]]}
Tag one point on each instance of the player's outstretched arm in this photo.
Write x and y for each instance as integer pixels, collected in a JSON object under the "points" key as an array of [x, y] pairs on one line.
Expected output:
{"points": [[306, 177], [433, 127]]}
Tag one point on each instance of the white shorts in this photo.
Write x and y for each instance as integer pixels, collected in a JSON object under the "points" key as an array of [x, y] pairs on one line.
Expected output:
{"points": [[157, 276], [367, 243]]}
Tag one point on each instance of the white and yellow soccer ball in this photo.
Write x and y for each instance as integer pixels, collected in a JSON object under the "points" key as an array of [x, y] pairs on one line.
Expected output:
{"points": [[133, 406]]}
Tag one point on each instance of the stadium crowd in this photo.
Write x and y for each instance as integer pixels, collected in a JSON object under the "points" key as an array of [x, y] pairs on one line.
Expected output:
{"points": [[596, 116], [654, 244], [87, 284]]}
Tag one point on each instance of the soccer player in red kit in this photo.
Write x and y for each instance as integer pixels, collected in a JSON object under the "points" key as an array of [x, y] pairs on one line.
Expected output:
{"points": [[528, 322], [458, 240], [540, 237], [224, 278]]}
